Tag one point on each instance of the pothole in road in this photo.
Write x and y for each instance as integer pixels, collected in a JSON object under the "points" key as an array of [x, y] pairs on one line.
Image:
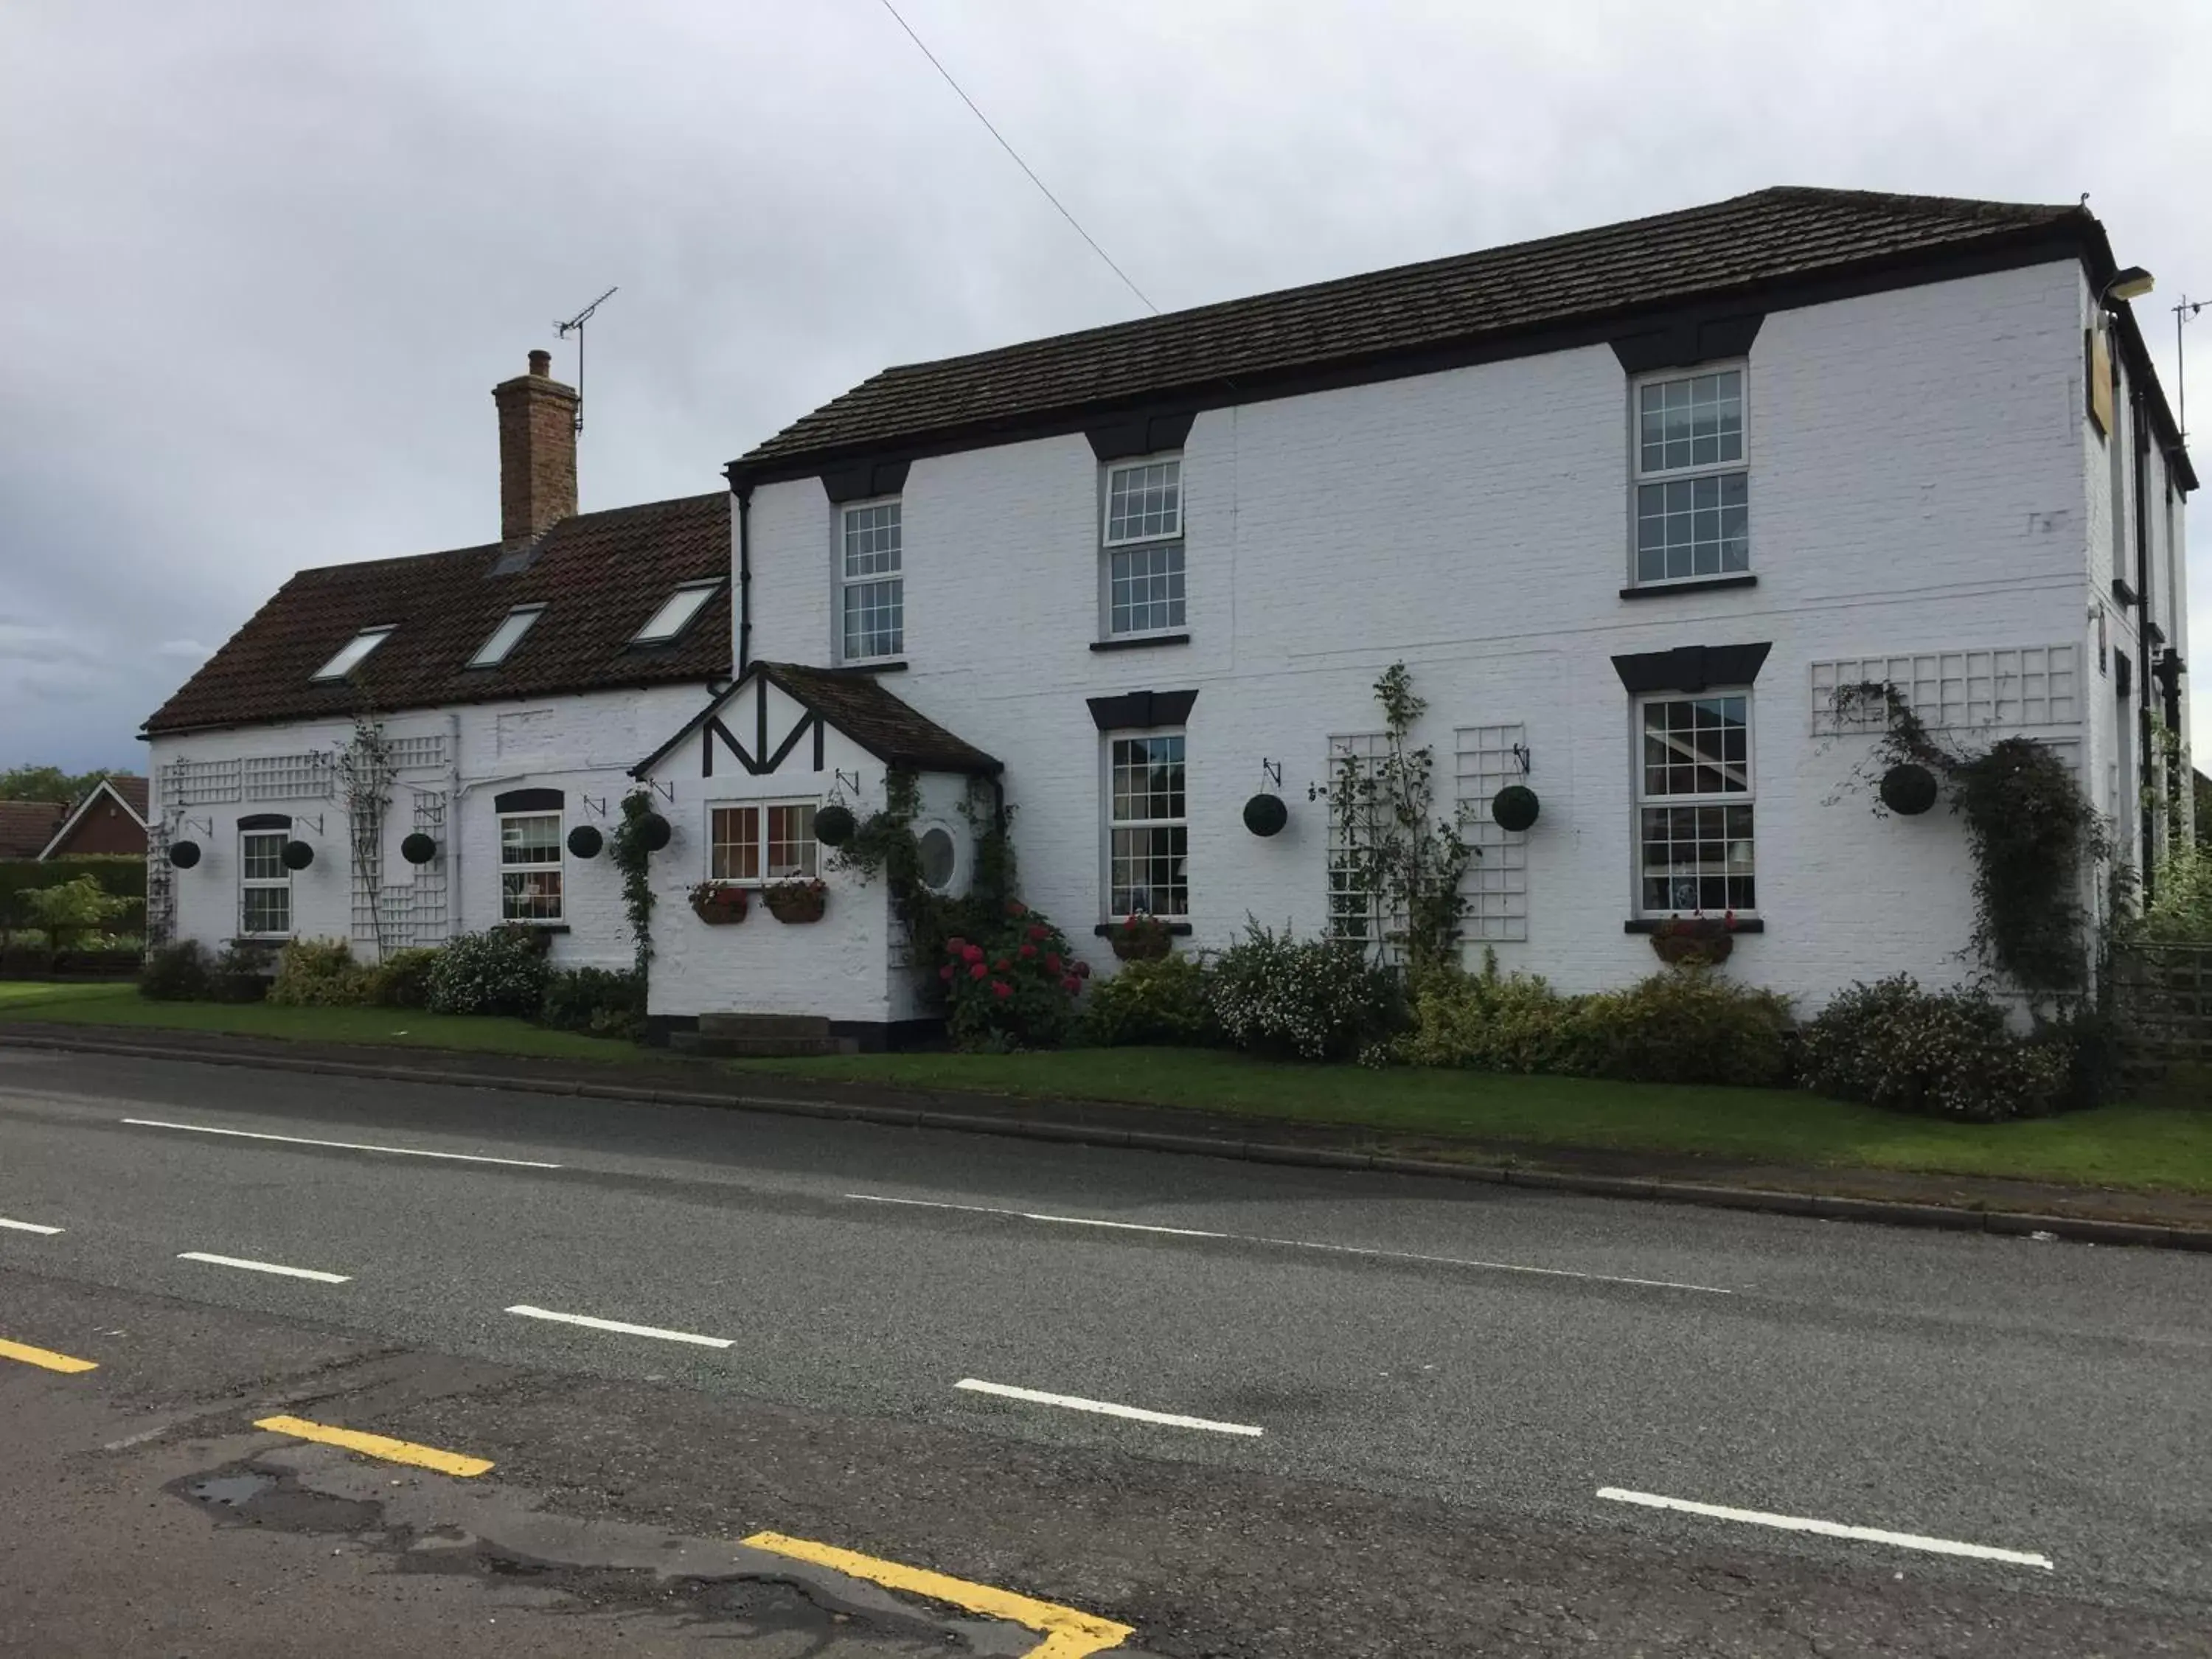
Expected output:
{"points": [[249, 1496]]}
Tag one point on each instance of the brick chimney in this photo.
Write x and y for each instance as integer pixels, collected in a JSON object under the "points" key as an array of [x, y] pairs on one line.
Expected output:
{"points": [[537, 451]]}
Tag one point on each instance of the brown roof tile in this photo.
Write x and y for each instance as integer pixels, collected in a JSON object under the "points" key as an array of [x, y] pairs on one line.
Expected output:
{"points": [[858, 704], [1745, 244], [26, 826], [599, 575]]}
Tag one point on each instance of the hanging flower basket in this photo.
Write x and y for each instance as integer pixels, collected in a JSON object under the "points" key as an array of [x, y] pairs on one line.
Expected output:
{"points": [[1695, 941], [720, 904], [1908, 789], [796, 901], [834, 825], [1140, 938], [1265, 815]]}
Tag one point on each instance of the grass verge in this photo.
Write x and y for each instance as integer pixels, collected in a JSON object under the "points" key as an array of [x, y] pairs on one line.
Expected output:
{"points": [[120, 1005], [2138, 1146]]}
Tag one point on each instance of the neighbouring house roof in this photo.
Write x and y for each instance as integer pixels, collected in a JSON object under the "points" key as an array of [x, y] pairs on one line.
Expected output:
{"points": [[26, 826], [599, 575], [1775, 244], [857, 704], [125, 789]]}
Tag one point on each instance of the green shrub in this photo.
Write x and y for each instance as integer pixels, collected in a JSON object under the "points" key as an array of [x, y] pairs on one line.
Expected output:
{"points": [[1686, 1025], [240, 973], [1950, 1053], [1012, 987], [596, 1001], [1303, 998], [319, 973], [1162, 1001], [402, 979], [2179, 911], [502, 970], [1490, 1022], [75, 913], [175, 973]]}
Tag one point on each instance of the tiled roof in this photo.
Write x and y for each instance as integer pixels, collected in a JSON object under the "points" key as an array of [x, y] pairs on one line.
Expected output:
{"points": [[26, 826], [599, 575], [856, 702], [1741, 245], [133, 787]]}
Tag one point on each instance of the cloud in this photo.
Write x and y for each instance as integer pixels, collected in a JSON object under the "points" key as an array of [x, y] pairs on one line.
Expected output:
{"points": [[190, 650], [257, 297]]}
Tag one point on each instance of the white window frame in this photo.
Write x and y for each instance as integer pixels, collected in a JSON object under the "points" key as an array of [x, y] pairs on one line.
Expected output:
{"points": [[1110, 824], [266, 884], [558, 865], [808, 867], [1639, 477], [512, 629], [1746, 798], [845, 581], [1174, 541], [354, 652], [680, 616]]}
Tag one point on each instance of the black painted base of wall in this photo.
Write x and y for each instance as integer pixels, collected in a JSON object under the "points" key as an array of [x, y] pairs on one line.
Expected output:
{"points": [[871, 1036]]}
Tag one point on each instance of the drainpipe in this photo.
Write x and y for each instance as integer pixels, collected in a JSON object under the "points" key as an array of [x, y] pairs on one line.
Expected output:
{"points": [[2141, 435], [744, 493]]}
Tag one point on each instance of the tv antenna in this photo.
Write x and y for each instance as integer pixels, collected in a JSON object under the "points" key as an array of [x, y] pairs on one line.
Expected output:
{"points": [[575, 326]]}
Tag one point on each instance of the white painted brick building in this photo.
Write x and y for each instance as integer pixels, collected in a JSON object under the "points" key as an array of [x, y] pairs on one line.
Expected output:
{"points": [[1903, 438]]}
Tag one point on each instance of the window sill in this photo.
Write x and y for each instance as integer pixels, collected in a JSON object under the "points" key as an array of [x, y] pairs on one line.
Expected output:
{"points": [[1700, 584], [1652, 924], [536, 927], [894, 666], [1139, 641], [1108, 929]]}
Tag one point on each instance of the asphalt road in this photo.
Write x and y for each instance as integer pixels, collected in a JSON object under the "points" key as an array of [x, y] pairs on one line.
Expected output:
{"points": [[1408, 1415]]}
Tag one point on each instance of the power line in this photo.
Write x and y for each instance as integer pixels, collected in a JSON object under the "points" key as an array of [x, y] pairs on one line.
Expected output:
{"points": [[1018, 162]]}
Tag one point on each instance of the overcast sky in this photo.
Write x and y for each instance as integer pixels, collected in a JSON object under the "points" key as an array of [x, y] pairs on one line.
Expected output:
{"points": [[260, 263]]}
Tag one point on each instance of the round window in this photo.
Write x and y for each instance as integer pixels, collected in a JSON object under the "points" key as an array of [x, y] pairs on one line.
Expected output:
{"points": [[939, 856]]}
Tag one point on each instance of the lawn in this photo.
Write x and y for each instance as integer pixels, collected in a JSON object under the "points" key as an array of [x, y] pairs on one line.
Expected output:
{"points": [[2140, 1147], [120, 1004], [2132, 1145]]}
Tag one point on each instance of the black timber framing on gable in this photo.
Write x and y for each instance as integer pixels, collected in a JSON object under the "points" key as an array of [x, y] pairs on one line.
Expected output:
{"points": [[757, 760]]}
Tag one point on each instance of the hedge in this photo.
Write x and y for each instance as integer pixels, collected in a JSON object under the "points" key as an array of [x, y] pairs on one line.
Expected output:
{"points": [[122, 874]]}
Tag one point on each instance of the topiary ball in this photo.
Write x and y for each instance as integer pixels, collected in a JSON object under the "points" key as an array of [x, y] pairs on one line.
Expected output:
{"points": [[298, 856], [585, 841], [1514, 807], [1908, 789], [185, 854], [834, 825], [653, 832], [1265, 815], [418, 847]]}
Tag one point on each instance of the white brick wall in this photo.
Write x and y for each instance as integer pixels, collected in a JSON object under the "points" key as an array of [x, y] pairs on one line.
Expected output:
{"points": [[1918, 484], [583, 746]]}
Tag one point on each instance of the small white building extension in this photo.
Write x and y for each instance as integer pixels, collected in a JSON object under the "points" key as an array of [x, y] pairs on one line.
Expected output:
{"points": [[1630, 504], [515, 685]]}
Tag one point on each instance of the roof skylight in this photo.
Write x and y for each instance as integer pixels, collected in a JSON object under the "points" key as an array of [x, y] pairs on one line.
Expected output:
{"points": [[505, 637], [353, 654], [675, 616]]}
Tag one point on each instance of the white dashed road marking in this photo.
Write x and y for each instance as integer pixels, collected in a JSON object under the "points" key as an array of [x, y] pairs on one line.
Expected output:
{"points": [[1106, 1408], [621, 1328], [319, 1276], [341, 1146], [1829, 1529], [27, 1227]]}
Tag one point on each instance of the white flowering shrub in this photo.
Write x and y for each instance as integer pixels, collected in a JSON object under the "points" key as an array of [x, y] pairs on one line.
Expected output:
{"points": [[502, 970], [1950, 1053], [1303, 998]]}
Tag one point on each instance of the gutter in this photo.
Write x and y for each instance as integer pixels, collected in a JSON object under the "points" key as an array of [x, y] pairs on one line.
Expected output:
{"points": [[744, 495]]}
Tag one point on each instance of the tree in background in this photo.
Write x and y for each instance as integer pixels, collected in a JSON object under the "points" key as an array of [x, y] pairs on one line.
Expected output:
{"points": [[49, 783]]}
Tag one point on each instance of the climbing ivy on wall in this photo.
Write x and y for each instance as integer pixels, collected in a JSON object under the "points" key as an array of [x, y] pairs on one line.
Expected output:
{"points": [[885, 844], [633, 859], [2033, 833]]}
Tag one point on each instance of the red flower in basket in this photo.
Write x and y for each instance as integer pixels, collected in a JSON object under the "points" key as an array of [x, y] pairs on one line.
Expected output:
{"points": [[1071, 985], [946, 972], [1038, 931], [956, 946], [1027, 951], [972, 953], [1052, 964], [977, 970], [1002, 989], [1016, 908]]}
